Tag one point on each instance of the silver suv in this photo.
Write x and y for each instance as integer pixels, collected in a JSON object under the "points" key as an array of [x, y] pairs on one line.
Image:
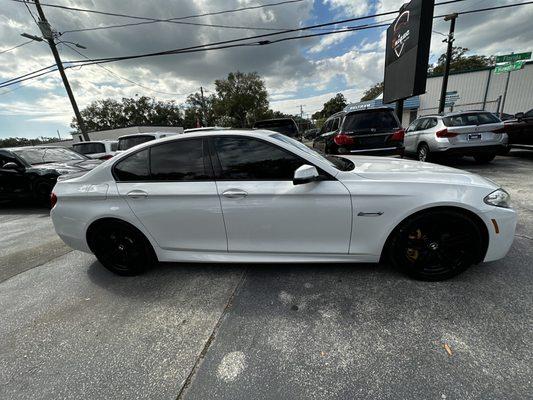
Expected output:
{"points": [[473, 133]]}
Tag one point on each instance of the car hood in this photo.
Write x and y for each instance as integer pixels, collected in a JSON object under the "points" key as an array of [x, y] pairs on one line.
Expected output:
{"points": [[394, 169], [69, 167]]}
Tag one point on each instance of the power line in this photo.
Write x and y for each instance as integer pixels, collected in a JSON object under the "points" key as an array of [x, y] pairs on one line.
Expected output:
{"points": [[222, 45], [16, 47], [29, 10], [122, 77]]}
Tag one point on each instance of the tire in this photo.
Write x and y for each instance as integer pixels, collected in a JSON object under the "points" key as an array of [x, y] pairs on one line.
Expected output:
{"points": [[422, 153], [121, 248], [484, 158], [436, 245]]}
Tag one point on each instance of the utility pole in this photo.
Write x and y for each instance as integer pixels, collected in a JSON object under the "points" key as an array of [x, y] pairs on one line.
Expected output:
{"points": [[46, 30], [450, 40], [202, 118]]}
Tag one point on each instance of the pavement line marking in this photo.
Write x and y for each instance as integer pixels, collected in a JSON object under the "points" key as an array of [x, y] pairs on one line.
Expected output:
{"points": [[212, 337]]}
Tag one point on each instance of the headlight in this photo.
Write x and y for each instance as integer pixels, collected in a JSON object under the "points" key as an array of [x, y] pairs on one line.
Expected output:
{"points": [[63, 171], [499, 198]]}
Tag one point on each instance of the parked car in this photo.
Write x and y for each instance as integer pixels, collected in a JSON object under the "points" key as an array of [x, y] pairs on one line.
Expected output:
{"points": [[30, 173], [259, 196], [286, 126], [98, 149], [473, 133], [520, 130], [311, 134], [374, 131], [128, 141]]}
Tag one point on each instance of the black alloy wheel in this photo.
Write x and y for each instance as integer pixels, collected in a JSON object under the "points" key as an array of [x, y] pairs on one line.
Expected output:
{"points": [[436, 245], [121, 248], [484, 158], [41, 193]]}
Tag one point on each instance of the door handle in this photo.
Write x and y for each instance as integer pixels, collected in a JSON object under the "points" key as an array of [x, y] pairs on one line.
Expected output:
{"points": [[137, 194], [234, 194]]}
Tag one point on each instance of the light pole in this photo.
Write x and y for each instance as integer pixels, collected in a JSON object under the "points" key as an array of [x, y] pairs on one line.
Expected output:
{"points": [[450, 40]]}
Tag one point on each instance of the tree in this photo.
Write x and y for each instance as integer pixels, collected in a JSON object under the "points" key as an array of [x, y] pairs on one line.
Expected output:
{"points": [[332, 106], [142, 111], [460, 62], [198, 110], [373, 92], [20, 142], [241, 98]]}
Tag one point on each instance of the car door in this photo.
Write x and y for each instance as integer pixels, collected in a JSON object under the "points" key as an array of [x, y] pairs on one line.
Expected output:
{"points": [[265, 212], [320, 141], [409, 140], [170, 189]]}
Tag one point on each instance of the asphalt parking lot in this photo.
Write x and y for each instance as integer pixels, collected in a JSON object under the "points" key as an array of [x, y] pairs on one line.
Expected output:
{"points": [[70, 329]]}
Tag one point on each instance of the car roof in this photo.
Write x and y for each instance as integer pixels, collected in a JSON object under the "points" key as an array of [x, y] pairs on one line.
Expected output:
{"points": [[274, 120], [143, 134], [33, 147], [95, 141]]}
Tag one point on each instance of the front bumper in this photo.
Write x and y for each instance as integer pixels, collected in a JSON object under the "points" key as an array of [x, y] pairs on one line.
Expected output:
{"points": [[501, 224]]}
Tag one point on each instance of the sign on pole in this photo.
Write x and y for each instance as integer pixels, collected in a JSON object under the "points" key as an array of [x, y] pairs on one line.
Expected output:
{"points": [[451, 98], [510, 58], [407, 51], [509, 67]]}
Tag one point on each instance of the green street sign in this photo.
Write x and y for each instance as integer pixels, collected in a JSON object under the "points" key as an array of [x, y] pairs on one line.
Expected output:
{"points": [[509, 58], [509, 67]]}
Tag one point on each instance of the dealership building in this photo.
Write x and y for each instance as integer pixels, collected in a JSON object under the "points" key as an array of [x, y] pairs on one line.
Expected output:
{"points": [[479, 89]]}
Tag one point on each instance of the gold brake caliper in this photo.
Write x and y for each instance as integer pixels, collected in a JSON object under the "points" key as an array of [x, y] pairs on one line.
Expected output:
{"points": [[412, 254]]}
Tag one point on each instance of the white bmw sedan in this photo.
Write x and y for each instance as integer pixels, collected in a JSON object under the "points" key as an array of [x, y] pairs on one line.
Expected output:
{"points": [[259, 196]]}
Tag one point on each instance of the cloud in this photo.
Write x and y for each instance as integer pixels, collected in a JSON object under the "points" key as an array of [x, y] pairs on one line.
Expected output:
{"points": [[352, 8]]}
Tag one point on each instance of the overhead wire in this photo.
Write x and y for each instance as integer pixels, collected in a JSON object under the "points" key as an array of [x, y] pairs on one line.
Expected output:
{"points": [[17, 46]]}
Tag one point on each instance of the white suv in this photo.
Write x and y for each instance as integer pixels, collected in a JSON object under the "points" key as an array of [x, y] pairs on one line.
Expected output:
{"points": [[474, 133], [128, 141], [97, 149]]}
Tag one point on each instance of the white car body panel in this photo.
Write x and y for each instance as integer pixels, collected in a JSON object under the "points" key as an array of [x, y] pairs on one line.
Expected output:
{"points": [[344, 220]]}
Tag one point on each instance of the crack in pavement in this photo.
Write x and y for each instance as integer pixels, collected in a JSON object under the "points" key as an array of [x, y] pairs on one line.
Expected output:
{"points": [[212, 337]]}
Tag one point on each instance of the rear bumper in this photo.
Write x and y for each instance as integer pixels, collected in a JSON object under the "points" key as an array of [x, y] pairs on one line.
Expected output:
{"points": [[472, 150], [383, 151]]}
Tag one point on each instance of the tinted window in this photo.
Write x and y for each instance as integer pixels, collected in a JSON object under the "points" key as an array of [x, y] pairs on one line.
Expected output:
{"points": [[45, 155], [133, 168], [370, 121], [128, 142], [327, 126], [182, 160], [250, 159], [470, 119], [529, 114], [89, 148], [335, 125], [114, 146]]}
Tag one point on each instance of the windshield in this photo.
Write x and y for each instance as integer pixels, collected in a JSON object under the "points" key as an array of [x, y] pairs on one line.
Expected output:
{"points": [[342, 164], [471, 119], [129, 142], [370, 121], [284, 126], [45, 155]]}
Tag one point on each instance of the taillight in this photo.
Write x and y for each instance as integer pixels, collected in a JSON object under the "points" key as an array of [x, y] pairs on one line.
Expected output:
{"points": [[343, 139], [53, 199], [444, 133], [106, 157], [398, 136]]}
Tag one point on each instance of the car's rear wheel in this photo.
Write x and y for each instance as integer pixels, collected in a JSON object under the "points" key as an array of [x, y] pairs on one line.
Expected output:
{"points": [[484, 158], [41, 193], [423, 153], [436, 245], [121, 248]]}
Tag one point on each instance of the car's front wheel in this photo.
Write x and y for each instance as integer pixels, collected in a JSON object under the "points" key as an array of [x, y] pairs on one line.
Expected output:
{"points": [[120, 248], [436, 245]]}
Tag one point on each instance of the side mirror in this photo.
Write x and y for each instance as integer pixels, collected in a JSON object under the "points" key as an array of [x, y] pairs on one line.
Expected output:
{"points": [[519, 115], [12, 166], [305, 174]]}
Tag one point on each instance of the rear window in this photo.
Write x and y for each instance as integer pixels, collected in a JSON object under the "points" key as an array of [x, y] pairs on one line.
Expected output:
{"points": [[470, 119], [286, 127], [128, 142], [89, 148], [370, 121]]}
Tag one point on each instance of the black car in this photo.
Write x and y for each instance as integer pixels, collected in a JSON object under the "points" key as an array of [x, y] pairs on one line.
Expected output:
{"points": [[30, 173], [375, 131], [520, 130], [286, 126]]}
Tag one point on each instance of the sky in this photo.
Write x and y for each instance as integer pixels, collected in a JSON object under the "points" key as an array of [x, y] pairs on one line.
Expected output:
{"points": [[303, 72]]}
